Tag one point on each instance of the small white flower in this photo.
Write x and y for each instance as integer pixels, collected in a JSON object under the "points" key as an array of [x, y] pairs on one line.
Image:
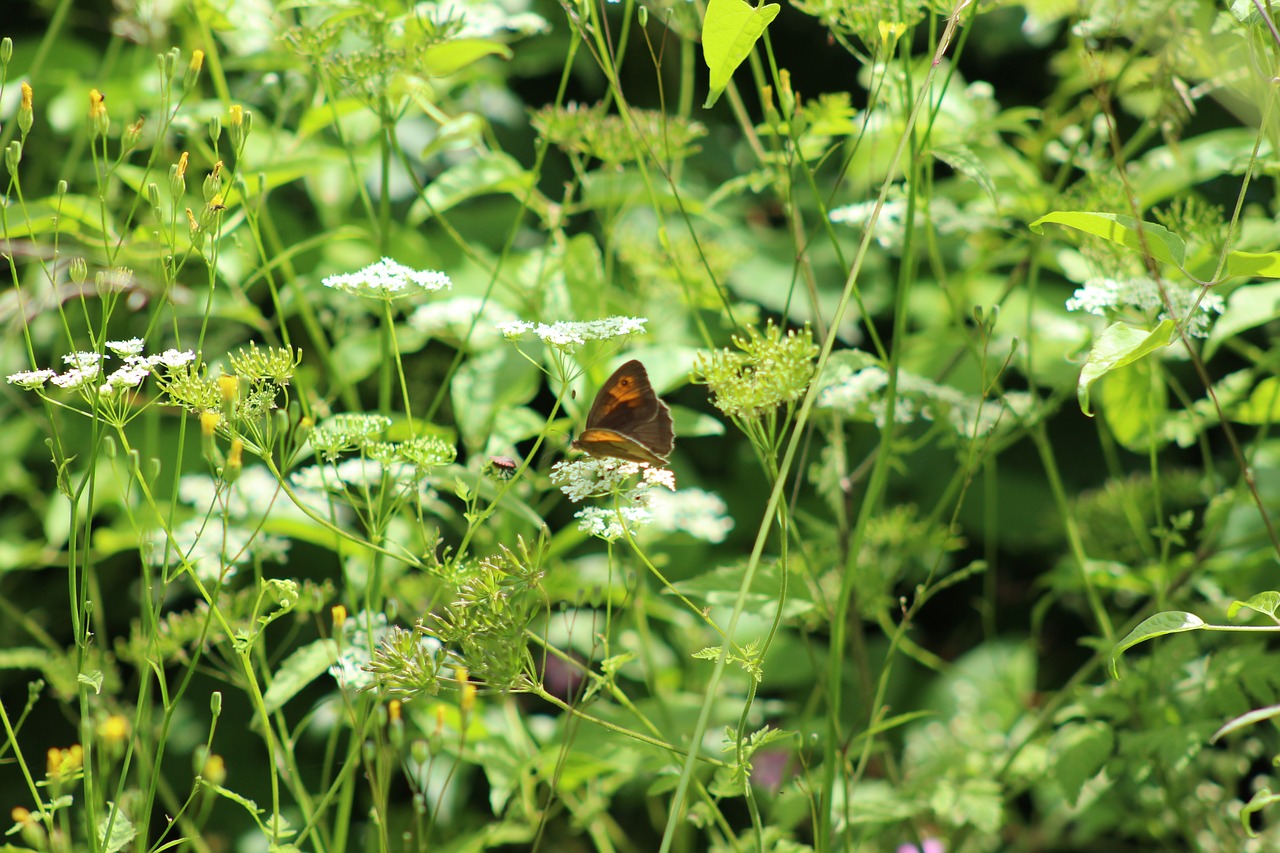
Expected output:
{"points": [[605, 524], [701, 514], [172, 358], [31, 379], [215, 551], [586, 477], [388, 280], [568, 336], [82, 360], [133, 346], [129, 376], [454, 318], [77, 377]]}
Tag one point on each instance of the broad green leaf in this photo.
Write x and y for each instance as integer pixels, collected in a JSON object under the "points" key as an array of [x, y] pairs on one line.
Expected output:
{"points": [[1253, 265], [1119, 345], [492, 173], [1168, 622], [1081, 750], [1163, 244], [1263, 405], [1135, 403], [122, 830], [1264, 602], [1250, 306], [298, 670], [446, 58], [729, 32]]}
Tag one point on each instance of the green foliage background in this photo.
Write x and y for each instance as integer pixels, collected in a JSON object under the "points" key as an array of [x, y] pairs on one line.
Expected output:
{"points": [[965, 315]]}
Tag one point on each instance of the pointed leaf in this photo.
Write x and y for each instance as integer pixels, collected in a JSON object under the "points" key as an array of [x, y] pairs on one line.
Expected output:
{"points": [[1119, 345], [1266, 603], [1163, 244], [1168, 622], [1253, 265], [730, 30]]}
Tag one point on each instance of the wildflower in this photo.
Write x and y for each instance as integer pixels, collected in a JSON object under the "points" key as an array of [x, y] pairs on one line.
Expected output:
{"points": [[214, 549], [699, 513], [31, 379], [387, 280], [99, 122], [568, 336], [455, 319], [133, 346], [771, 370], [608, 524], [583, 478], [1101, 296], [26, 112]]}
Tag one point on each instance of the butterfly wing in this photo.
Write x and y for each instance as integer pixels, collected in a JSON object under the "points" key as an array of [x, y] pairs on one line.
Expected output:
{"points": [[624, 399], [627, 420]]}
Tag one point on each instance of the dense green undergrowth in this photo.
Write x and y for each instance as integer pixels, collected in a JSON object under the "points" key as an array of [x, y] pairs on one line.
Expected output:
{"points": [[965, 318]]}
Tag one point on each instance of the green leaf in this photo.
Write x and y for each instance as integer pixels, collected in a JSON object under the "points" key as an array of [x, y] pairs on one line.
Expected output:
{"points": [[1266, 603], [1168, 622], [1135, 403], [443, 59], [962, 159], [1163, 244], [1248, 307], [1081, 751], [730, 30], [297, 671], [1263, 405], [122, 830], [1119, 345], [492, 173], [1253, 265]]}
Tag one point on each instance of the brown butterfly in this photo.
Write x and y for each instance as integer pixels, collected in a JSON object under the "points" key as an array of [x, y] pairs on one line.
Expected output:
{"points": [[627, 420]]}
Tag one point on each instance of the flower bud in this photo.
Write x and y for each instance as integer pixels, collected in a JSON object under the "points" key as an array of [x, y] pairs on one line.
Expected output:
{"points": [[26, 114], [178, 176], [132, 134], [99, 121], [193, 70]]}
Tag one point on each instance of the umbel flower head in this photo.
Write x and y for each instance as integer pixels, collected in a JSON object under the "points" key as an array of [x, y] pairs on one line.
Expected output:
{"points": [[771, 370], [568, 336], [388, 280]]}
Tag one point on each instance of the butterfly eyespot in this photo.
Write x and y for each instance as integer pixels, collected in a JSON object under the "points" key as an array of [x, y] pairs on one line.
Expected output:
{"points": [[627, 420]]}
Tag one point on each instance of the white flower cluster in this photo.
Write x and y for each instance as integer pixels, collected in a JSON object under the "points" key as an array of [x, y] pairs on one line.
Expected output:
{"points": [[891, 227], [1100, 295], [590, 477], [453, 318], [858, 394], [216, 549], [703, 515], [482, 20], [568, 336], [388, 280], [85, 368]]}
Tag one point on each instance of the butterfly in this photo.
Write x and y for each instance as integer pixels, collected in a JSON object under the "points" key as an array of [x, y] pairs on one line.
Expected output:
{"points": [[627, 420]]}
